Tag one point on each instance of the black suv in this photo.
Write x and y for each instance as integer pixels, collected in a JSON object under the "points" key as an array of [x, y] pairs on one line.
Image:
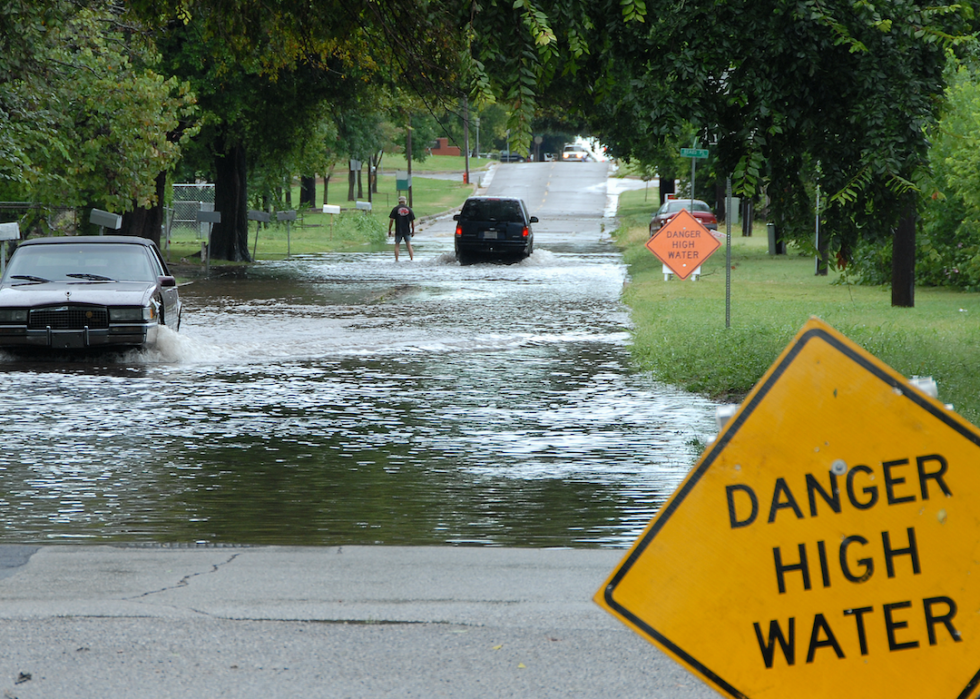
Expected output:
{"points": [[494, 226]]}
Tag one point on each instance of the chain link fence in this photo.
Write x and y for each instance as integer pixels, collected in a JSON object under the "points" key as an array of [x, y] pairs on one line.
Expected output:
{"points": [[186, 201]]}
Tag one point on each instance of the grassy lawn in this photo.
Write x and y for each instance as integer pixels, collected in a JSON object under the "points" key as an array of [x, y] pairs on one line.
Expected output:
{"points": [[314, 231], [679, 327]]}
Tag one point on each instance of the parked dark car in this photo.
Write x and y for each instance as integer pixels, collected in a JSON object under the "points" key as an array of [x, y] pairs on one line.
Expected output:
{"points": [[86, 292], [701, 211], [497, 226], [512, 157]]}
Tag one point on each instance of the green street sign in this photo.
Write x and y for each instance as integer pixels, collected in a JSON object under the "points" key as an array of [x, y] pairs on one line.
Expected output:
{"points": [[694, 153]]}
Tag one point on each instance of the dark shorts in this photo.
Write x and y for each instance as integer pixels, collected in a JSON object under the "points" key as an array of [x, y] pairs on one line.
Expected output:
{"points": [[399, 237]]}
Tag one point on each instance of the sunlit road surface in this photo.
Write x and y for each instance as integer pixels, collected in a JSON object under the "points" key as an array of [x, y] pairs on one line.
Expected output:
{"points": [[119, 623]]}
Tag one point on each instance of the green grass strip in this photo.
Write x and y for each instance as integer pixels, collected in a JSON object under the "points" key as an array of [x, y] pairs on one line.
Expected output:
{"points": [[679, 331]]}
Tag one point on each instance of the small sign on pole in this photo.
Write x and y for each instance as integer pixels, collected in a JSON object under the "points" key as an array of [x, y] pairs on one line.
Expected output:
{"points": [[698, 153], [683, 244]]}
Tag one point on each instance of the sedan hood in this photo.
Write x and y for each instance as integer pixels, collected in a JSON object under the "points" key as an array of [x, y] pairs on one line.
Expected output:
{"points": [[97, 293]]}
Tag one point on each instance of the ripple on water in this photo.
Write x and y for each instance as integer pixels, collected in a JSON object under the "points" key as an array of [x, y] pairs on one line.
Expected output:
{"points": [[344, 399]]}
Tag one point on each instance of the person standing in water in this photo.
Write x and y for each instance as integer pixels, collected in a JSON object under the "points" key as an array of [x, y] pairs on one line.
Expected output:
{"points": [[403, 218]]}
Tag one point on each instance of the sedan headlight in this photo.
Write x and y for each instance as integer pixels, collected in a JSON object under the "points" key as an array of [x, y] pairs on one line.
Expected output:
{"points": [[13, 315], [132, 315]]}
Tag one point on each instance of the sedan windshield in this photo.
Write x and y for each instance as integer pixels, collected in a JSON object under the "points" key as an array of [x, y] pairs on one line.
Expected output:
{"points": [[80, 263]]}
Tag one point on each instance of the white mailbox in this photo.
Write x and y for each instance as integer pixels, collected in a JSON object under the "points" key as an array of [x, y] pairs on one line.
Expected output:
{"points": [[9, 231]]}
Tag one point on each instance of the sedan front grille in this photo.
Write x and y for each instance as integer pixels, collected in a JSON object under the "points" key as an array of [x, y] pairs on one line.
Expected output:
{"points": [[68, 317]]}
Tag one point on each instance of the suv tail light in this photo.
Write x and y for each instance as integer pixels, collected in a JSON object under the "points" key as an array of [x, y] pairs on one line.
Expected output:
{"points": [[524, 233], [459, 230]]}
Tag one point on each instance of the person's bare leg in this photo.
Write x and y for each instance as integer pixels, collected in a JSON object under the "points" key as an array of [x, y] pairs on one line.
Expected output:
{"points": [[408, 244], [396, 251]]}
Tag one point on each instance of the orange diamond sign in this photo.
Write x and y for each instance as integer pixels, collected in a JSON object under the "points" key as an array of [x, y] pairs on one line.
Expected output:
{"points": [[683, 244], [826, 544]]}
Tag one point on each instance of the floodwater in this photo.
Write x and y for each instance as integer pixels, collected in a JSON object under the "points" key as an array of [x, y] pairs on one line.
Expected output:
{"points": [[344, 399]]}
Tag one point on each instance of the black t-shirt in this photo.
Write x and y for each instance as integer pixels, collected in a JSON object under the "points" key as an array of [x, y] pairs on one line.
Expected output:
{"points": [[403, 217]]}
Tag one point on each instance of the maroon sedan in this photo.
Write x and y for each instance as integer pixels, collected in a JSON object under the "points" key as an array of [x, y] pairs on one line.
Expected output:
{"points": [[672, 207], [83, 292]]}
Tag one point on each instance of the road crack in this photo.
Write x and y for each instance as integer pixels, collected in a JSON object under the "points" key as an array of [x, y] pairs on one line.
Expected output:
{"points": [[186, 580]]}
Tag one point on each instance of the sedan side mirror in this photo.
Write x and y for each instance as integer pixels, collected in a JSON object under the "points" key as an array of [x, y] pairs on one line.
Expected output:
{"points": [[167, 281], [533, 219]]}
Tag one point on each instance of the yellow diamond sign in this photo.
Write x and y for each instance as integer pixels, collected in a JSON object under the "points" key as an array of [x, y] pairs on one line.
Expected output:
{"points": [[827, 543]]}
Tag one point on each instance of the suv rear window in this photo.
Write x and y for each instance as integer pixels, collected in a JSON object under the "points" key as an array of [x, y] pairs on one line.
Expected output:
{"points": [[492, 210]]}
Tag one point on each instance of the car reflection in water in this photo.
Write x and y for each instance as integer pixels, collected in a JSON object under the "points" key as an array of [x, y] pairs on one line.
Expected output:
{"points": [[86, 292]]}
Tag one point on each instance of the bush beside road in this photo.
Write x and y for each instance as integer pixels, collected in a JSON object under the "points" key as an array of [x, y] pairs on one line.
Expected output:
{"points": [[679, 329]]}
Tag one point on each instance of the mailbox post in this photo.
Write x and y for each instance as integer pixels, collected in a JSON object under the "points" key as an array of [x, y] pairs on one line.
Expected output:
{"points": [[210, 218], [259, 217], [104, 219], [8, 231], [287, 216]]}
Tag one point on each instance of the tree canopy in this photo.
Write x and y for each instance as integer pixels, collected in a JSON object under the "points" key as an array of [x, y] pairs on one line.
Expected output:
{"points": [[839, 93], [85, 119]]}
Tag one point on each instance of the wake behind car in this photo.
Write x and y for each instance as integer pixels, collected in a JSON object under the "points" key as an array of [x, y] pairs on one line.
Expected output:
{"points": [[497, 226], [670, 208], [86, 292]]}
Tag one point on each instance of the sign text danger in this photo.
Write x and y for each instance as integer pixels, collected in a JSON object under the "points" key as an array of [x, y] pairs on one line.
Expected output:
{"points": [[852, 560]]}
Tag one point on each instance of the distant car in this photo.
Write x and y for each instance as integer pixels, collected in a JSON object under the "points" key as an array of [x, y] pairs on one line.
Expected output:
{"points": [[499, 226], [549, 157], [574, 154], [83, 292], [511, 157], [701, 211]]}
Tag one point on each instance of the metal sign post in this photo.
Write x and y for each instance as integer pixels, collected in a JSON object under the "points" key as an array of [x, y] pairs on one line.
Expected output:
{"points": [[694, 154], [728, 253]]}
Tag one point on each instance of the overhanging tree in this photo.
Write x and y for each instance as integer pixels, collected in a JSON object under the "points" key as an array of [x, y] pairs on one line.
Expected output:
{"points": [[253, 54]]}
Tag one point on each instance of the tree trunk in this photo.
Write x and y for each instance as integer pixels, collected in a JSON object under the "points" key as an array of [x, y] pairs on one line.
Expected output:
{"points": [[408, 157], [350, 181], [376, 170], [667, 186], [146, 223], [360, 184], [903, 259], [747, 213], [229, 239], [307, 191]]}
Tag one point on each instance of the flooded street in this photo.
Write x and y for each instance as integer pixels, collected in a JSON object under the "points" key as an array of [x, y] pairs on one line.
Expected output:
{"points": [[346, 399]]}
